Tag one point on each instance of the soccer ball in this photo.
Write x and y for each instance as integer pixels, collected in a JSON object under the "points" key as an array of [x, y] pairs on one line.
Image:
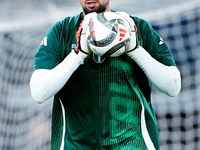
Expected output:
{"points": [[108, 34]]}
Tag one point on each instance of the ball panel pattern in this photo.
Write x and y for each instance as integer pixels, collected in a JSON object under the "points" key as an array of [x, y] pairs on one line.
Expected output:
{"points": [[108, 32]]}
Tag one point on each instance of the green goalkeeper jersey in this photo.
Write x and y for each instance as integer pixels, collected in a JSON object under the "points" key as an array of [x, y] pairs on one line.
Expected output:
{"points": [[106, 103]]}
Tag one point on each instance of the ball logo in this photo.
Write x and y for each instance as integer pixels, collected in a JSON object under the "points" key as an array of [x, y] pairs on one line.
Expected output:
{"points": [[122, 33]]}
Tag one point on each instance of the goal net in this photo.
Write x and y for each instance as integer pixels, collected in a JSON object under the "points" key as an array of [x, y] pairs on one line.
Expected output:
{"points": [[25, 125], [179, 117]]}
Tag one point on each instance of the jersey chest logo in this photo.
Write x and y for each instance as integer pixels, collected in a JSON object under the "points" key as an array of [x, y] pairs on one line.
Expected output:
{"points": [[98, 59]]}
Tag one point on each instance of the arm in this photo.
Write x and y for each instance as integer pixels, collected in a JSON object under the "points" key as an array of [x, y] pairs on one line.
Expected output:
{"points": [[165, 78], [45, 83]]}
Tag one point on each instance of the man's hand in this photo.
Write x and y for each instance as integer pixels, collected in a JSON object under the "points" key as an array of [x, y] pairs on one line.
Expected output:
{"points": [[81, 47], [133, 42]]}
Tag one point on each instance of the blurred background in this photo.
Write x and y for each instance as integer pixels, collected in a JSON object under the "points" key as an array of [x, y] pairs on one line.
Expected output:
{"points": [[25, 125]]}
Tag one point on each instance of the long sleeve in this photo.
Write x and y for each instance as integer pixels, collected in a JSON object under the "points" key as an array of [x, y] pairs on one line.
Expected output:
{"points": [[45, 83], [166, 79]]}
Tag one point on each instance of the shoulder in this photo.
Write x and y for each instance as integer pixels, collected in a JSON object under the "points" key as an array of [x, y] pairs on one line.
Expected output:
{"points": [[141, 23], [68, 22], [73, 21], [60, 30], [145, 30], [151, 41]]}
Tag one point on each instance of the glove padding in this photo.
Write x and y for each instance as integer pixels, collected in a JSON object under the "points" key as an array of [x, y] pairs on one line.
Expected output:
{"points": [[81, 47], [133, 41]]}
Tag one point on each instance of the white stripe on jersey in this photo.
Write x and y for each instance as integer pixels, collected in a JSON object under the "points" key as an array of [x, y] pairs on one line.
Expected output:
{"points": [[145, 133], [147, 139], [64, 129]]}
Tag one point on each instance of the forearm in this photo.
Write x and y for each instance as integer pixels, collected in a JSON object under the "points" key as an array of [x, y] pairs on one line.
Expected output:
{"points": [[165, 78], [46, 83]]}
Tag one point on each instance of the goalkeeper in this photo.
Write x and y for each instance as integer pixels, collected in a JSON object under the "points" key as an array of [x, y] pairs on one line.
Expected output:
{"points": [[102, 105]]}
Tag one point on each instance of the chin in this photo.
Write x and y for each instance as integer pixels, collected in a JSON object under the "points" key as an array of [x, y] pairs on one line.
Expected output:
{"points": [[100, 9]]}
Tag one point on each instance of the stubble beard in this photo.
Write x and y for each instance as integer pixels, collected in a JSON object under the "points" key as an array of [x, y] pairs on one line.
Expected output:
{"points": [[100, 9]]}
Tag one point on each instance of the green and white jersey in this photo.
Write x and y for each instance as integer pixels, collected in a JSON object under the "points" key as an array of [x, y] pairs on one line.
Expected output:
{"points": [[106, 103]]}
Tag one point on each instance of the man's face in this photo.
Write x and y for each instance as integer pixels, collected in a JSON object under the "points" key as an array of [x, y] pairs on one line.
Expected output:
{"points": [[95, 6]]}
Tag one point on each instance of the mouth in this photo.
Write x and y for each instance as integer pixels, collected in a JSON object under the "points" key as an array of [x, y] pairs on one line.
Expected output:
{"points": [[91, 4]]}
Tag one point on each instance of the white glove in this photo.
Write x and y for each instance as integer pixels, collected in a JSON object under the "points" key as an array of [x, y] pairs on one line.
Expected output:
{"points": [[133, 42], [81, 47]]}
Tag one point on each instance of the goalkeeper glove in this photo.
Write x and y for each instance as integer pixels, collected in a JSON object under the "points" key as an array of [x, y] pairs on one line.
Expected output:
{"points": [[81, 47], [133, 41]]}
